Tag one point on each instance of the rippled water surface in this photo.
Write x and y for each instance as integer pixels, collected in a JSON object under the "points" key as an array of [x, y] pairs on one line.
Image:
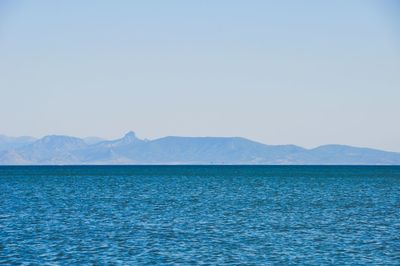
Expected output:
{"points": [[187, 215]]}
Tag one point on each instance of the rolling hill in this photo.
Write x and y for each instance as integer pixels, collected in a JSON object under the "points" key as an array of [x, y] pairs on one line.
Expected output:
{"points": [[66, 150]]}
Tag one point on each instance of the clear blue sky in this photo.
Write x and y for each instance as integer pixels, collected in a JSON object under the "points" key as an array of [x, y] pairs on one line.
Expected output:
{"points": [[302, 72]]}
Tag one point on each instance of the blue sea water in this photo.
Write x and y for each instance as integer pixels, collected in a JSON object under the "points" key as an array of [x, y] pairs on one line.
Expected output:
{"points": [[213, 215]]}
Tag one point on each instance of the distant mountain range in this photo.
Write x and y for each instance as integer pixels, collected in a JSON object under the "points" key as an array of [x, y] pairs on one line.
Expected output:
{"points": [[66, 150]]}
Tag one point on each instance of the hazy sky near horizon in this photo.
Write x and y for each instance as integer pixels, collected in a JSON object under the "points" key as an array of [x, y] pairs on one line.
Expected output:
{"points": [[302, 72]]}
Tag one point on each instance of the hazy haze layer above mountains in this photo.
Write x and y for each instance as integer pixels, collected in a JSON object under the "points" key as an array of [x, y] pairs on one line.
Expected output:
{"points": [[66, 150]]}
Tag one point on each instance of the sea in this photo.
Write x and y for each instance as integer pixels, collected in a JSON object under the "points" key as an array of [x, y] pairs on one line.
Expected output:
{"points": [[199, 215]]}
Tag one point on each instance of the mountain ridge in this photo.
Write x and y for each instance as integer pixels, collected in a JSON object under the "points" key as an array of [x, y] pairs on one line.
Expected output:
{"points": [[129, 149]]}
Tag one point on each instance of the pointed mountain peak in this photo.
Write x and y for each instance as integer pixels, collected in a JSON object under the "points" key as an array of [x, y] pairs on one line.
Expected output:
{"points": [[130, 135]]}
